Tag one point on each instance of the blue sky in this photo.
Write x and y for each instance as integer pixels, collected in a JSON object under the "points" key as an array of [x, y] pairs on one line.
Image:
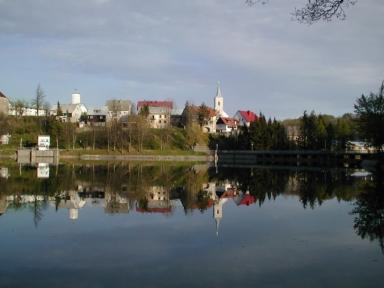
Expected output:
{"points": [[172, 49]]}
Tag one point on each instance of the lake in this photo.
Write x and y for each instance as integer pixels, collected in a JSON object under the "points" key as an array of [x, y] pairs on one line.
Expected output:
{"points": [[163, 225]]}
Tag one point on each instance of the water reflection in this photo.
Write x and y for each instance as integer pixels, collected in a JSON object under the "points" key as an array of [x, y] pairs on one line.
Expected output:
{"points": [[369, 211], [161, 189]]}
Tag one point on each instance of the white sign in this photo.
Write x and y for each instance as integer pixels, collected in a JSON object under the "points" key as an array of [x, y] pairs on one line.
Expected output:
{"points": [[43, 143], [43, 170]]}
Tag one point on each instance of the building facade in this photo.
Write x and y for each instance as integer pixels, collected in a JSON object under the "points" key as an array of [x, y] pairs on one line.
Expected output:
{"points": [[158, 112]]}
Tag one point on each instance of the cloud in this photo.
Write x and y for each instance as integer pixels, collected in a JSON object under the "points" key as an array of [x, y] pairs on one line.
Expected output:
{"points": [[184, 47]]}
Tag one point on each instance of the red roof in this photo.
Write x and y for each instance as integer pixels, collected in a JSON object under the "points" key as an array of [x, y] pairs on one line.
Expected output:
{"points": [[164, 104], [231, 122], [247, 200], [248, 116]]}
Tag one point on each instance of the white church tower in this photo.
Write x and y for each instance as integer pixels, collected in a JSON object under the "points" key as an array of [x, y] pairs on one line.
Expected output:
{"points": [[219, 102], [76, 97]]}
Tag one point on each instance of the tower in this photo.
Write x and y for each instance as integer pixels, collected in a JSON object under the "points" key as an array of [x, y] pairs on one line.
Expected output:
{"points": [[218, 212], [219, 100], [76, 97]]}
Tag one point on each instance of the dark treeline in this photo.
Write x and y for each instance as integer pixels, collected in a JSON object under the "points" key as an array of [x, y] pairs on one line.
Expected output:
{"points": [[262, 134], [325, 132], [310, 132]]}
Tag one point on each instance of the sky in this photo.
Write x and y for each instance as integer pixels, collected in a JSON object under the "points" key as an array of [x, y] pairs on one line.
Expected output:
{"points": [[178, 50]]}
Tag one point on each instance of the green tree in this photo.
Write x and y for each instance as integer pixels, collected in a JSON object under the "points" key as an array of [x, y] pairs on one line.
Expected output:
{"points": [[370, 113], [59, 111]]}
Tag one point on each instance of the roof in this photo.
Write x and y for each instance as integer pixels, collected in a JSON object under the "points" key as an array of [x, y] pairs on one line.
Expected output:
{"points": [[195, 110], [119, 105], [2, 95], [70, 107], [164, 104], [248, 116], [97, 111], [247, 200], [232, 122]]}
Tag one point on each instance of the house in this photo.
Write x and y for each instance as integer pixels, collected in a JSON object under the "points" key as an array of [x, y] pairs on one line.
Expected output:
{"points": [[119, 109], [202, 115], [97, 116], [360, 146], [159, 112], [71, 112], [157, 200], [245, 118], [226, 125], [4, 139], [4, 104]]}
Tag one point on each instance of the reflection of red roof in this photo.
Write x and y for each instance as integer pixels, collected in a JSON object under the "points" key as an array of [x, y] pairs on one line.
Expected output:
{"points": [[248, 116], [163, 104], [229, 193], [154, 210], [247, 200], [231, 122]]}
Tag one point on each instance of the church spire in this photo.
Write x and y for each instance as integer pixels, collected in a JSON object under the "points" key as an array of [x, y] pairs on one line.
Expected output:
{"points": [[219, 102], [218, 91]]}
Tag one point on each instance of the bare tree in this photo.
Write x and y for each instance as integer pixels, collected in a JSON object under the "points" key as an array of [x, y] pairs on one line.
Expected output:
{"points": [[38, 101], [19, 106], [316, 10]]}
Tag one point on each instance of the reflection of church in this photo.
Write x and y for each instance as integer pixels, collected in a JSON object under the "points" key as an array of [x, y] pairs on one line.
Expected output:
{"points": [[221, 194]]}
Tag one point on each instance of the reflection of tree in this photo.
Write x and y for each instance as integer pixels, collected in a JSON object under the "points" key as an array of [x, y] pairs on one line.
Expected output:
{"points": [[37, 210], [313, 187], [369, 212]]}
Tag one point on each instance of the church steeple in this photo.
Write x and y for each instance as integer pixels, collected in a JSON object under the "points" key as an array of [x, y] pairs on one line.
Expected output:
{"points": [[219, 102]]}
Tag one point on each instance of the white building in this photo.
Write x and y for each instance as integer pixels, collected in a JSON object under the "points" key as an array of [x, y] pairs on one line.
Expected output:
{"points": [[26, 111], [159, 112], [72, 112], [119, 109], [226, 125], [219, 103]]}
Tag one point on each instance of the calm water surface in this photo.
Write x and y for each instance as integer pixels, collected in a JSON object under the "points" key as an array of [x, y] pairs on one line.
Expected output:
{"points": [[130, 225]]}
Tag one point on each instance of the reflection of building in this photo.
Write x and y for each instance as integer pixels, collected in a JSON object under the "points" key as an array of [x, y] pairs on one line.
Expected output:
{"points": [[42, 170], [157, 200], [360, 146], [4, 172], [73, 202], [218, 212], [115, 203]]}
